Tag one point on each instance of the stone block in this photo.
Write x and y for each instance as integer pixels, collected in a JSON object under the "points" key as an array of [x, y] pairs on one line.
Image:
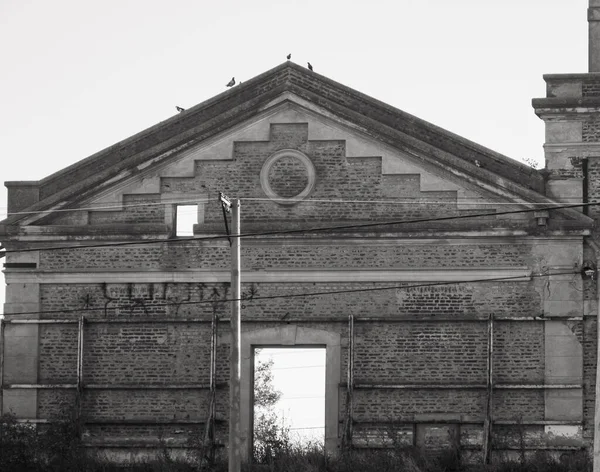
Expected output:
{"points": [[568, 191], [20, 353], [564, 355], [20, 402], [563, 308], [21, 293], [563, 288], [557, 253], [563, 89], [564, 131], [564, 405], [437, 436]]}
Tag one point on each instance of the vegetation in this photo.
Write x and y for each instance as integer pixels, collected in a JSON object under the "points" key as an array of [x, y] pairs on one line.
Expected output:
{"points": [[57, 447], [271, 438], [23, 448]]}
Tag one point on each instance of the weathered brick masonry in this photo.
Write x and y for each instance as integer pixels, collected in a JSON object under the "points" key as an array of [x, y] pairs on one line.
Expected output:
{"points": [[413, 304]]}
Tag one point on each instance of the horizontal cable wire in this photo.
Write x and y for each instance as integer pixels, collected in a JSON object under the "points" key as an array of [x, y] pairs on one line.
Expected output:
{"points": [[315, 229]]}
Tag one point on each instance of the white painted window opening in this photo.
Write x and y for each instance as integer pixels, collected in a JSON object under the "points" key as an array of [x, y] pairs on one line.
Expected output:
{"points": [[186, 217]]}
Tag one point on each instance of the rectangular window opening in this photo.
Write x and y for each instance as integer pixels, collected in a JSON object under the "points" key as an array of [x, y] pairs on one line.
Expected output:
{"points": [[185, 219], [289, 399]]}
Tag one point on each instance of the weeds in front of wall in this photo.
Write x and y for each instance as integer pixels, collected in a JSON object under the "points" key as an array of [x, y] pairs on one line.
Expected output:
{"points": [[57, 448]]}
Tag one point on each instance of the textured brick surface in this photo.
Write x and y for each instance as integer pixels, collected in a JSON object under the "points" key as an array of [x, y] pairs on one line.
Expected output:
{"points": [[385, 405], [58, 354], [136, 209], [188, 255], [421, 353], [475, 300], [519, 352], [591, 130], [594, 185], [590, 354], [590, 88], [338, 178], [147, 353]]}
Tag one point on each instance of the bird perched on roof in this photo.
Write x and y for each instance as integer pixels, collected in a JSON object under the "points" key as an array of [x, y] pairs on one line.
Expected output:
{"points": [[231, 83], [309, 66], [179, 109], [289, 56]]}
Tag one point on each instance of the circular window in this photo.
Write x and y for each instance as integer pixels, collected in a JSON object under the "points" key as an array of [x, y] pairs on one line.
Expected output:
{"points": [[287, 177]]}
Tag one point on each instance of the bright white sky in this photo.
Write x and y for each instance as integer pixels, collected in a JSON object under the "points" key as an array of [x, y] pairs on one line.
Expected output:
{"points": [[299, 374], [80, 76]]}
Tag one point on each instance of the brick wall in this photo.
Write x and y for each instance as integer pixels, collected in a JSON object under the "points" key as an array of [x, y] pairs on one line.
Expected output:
{"points": [[475, 300], [338, 178], [194, 255], [410, 352], [590, 88], [594, 185], [137, 209], [591, 130]]}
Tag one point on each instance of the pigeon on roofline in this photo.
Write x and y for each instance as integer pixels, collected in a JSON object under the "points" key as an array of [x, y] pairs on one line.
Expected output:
{"points": [[231, 83], [309, 66], [289, 56], [179, 109]]}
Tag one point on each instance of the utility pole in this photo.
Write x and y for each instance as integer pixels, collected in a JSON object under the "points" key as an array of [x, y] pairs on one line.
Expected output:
{"points": [[235, 440]]}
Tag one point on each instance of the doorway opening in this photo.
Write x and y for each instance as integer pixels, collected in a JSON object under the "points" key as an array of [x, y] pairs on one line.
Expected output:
{"points": [[289, 399]]}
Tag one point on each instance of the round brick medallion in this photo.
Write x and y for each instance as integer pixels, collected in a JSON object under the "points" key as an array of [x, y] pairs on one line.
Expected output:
{"points": [[287, 177]]}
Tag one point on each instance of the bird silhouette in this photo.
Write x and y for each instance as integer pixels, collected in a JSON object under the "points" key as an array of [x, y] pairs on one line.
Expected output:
{"points": [[309, 66], [289, 56], [231, 83], [179, 109]]}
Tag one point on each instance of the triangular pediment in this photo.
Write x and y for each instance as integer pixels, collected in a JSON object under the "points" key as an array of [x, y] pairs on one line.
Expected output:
{"points": [[360, 152], [291, 116]]}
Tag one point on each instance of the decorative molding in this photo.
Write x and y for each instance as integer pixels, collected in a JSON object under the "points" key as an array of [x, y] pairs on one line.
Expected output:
{"points": [[272, 276], [266, 168]]}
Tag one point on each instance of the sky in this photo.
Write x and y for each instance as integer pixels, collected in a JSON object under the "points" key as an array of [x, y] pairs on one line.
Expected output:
{"points": [[78, 76], [299, 374]]}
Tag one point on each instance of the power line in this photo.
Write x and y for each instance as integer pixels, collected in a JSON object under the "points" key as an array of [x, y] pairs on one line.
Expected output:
{"points": [[116, 205], [316, 229], [294, 295]]}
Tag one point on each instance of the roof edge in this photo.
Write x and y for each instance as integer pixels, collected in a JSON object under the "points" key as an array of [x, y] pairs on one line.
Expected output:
{"points": [[152, 129]]}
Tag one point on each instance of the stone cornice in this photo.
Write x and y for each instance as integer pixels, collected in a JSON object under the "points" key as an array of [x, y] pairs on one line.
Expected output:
{"points": [[271, 276]]}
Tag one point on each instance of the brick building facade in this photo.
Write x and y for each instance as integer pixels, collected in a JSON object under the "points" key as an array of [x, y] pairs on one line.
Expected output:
{"points": [[478, 311]]}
